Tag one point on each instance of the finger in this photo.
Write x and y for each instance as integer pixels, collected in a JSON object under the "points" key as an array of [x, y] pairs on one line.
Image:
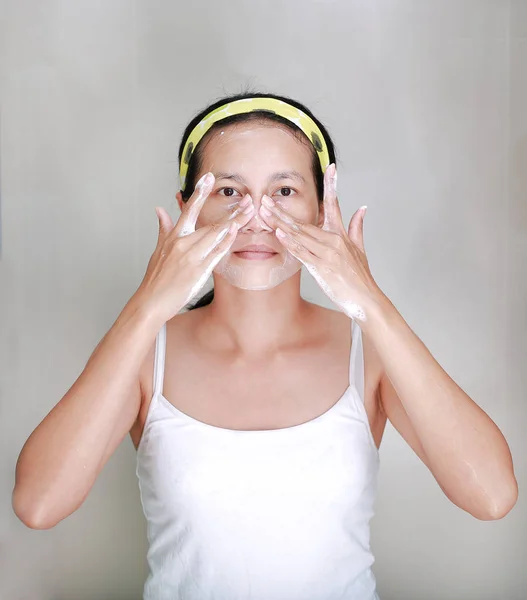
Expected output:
{"points": [[200, 241], [165, 222], [221, 247], [276, 216], [217, 252], [296, 248], [241, 212], [300, 233], [187, 221], [318, 242], [332, 214], [209, 236], [356, 228]]}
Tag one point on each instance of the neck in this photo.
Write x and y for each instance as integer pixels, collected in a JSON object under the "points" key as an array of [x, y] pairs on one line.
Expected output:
{"points": [[255, 323]]}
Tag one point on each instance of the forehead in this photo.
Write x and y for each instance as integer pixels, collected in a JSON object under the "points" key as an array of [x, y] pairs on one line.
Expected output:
{"points": [[253, 140]]}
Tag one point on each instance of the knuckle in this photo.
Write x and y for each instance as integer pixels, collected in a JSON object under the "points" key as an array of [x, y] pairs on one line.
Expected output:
{"points": [[332, 254], [338, 242], [213, 227], [298, 247], [186, 260], [185, 230], [297, 228]]}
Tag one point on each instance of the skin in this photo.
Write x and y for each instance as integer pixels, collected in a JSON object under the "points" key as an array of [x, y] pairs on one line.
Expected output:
{"points": [[255, 322], [261, 337], [265, 360], [258, 336]]}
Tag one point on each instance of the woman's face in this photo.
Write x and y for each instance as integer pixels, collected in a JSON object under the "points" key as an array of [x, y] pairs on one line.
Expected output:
{"points": [[258, 159]]}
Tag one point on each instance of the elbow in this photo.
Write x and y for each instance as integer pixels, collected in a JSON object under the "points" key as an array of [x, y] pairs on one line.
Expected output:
{"points": [[33, 520], [29, 515], [34, 523], [502, 507]]}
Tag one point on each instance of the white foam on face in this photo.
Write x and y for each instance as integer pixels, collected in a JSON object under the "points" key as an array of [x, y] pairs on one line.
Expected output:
{"points": [[257, 275], [243, 273]]}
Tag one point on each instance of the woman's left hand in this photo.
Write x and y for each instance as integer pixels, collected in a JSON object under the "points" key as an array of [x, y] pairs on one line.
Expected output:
{"points": [[336, 258]]}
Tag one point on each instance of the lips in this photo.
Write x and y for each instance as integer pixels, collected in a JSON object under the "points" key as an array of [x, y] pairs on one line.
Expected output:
{"points": [[259, 252], [262, 248]]}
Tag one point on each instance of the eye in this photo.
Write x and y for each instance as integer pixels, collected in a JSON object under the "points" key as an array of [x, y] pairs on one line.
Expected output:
{"points": [[288, 189], [227, 188]]}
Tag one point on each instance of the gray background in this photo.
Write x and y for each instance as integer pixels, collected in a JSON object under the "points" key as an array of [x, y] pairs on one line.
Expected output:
{"points": [[426, 102]]}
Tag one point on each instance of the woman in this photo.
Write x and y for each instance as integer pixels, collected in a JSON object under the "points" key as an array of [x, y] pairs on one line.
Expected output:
{"points": [[257, 416]]}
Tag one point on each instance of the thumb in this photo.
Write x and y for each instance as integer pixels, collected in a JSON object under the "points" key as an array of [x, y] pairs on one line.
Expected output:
{"points": [[165, 222], [356, 227]]}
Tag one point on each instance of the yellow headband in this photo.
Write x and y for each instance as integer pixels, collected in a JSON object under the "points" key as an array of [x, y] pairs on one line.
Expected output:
{"points": [[298, 117]]}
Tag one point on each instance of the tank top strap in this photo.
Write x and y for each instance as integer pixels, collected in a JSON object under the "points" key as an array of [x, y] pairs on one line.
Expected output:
{"points": [[159, 360], [356, 367]]}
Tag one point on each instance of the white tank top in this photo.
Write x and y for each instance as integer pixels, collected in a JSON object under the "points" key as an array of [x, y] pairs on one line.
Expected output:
{"points": [[280, 514]]}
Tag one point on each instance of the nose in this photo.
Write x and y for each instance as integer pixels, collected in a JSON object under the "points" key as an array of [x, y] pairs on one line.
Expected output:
{"points": [[256, 224]]}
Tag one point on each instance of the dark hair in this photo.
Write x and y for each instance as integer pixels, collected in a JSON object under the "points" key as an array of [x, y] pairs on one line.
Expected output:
{"points": [[196, 159]]}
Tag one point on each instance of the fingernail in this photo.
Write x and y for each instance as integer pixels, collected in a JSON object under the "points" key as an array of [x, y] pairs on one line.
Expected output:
{"points": [[201, 180], [246, 200], [267, 201], [205, 180], [265, 211], [332, 174], [249, 209]]}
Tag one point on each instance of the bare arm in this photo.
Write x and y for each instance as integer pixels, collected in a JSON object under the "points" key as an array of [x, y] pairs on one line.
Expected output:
{"points": [[461, 445], [62, 458]]}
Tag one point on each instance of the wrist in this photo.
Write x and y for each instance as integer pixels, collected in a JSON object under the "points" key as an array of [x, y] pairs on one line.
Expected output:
{"points": [[144, 309], [378, 309]]}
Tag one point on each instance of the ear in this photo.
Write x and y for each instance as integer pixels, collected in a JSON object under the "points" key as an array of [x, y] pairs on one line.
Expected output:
{"points": [[179, 197]]}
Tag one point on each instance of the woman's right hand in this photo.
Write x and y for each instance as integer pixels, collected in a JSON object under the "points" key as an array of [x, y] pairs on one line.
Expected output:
{"points": [[184, 258]]}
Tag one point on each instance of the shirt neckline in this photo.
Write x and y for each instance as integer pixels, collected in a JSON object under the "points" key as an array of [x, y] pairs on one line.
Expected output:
{"points": [[276, 430]]}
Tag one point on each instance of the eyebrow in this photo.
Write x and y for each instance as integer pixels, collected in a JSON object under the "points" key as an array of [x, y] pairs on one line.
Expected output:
{"points": [[274, 177]]}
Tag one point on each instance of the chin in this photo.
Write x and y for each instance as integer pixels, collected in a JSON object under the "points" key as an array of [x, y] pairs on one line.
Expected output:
{"points": [[257, 275]]}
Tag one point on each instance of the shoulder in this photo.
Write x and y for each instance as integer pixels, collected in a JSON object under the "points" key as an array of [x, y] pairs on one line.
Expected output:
{"points": [[177, 329], [338, 322]]}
